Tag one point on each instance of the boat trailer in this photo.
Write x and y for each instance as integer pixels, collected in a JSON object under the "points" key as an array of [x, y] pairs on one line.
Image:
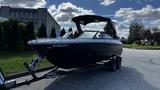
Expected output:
{"points": [[113, 64]]}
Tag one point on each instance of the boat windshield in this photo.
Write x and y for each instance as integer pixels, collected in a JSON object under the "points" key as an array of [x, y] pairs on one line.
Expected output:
{"points": [[67, 35], [88, 35], [94, 26]]}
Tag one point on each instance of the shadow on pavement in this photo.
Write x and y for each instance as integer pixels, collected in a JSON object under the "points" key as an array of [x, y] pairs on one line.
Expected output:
{"points": [[100, 79]]}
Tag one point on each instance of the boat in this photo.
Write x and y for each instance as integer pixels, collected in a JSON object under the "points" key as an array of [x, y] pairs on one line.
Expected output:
{"points": [[88, 47], [74, 51]]}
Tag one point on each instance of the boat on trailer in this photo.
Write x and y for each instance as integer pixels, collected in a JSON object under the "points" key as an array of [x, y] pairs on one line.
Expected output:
{"points": [[73, 53], [88, 48]]}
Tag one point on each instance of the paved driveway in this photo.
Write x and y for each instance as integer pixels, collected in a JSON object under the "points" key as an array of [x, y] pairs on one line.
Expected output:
{"points": [[140, 71]]}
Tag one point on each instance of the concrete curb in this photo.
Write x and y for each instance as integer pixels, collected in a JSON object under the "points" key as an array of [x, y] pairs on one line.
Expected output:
{"points": [[26, 73]]}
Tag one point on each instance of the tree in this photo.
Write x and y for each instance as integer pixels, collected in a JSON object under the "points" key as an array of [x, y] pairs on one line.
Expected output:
{"points": [[53, 33], [22, 29], [62, 32], [155, 29], [16, 35], [123, 37], [147, 34], [1, 37], [11, 38], [6, 33], [12, 35], [135, 32], [42, 31], [29, 33], [156, 35], [70, 29]]}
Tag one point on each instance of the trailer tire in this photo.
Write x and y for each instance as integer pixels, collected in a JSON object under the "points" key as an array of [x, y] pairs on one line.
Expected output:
{"points": [[113, 65], [118, 62]]}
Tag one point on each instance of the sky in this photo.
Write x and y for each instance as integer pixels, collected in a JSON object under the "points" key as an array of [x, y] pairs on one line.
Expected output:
{"points": [[122, 12]]}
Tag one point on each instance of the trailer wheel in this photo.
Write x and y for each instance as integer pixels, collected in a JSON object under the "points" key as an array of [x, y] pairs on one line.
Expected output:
{"points": [[118, 62], [113, 64]]}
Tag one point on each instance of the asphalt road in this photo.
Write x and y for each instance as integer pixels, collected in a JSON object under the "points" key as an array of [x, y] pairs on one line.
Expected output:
{"points": [[140, 71]]}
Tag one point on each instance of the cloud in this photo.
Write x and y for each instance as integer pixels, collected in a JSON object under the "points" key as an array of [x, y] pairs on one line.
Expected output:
{"points": [[64, 12], [123, 28], [107, 2], [141, 1], [148, 15], [24, 3], [156, 23]]}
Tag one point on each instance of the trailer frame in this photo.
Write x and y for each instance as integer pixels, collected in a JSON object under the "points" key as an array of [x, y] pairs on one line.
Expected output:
{"points": [[112, 64]]}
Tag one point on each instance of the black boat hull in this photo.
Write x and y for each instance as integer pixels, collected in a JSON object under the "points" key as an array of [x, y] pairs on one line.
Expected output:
{"points": [[80, 54]]}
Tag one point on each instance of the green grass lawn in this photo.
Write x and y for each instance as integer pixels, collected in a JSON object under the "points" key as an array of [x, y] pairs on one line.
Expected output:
{"points": [[12, 62], [140, 46]]}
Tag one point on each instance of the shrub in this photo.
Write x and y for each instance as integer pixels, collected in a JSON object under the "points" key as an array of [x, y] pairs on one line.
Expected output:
{"points": [[138, 42], [53, 33], [11, 34], [62, 32], [1, 37], [29, 33], [22, 29], [70, 29], [135, 32], [42, 31], [14, 35]]}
